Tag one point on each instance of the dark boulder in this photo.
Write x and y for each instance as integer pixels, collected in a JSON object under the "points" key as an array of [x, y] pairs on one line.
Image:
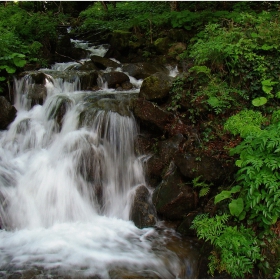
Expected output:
{"points": [[156, 87], [143, 70], [173, 199], [154, 118], [87, 66], [7, 113], [209, 168], [184, 227], [88, 79], [102, 62], [115, 78], [143, 213]]}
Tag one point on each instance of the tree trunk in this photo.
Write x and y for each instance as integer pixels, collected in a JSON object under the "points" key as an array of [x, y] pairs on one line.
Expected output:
{"points": [[104, 6], [174, 6]]}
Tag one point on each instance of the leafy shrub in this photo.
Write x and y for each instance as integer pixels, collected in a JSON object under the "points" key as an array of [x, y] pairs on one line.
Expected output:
{"points": [[259, 175], [235, 249], [246, 48]]}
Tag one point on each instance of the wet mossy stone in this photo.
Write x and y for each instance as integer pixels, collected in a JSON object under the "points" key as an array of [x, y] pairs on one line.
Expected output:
{"points": [[156, 87]]}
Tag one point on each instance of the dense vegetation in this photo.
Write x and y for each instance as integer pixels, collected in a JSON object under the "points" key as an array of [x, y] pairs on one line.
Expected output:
{"points": [[232, 83]]}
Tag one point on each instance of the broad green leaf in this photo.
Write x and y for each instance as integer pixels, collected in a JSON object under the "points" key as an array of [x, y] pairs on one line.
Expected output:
{"points": [[235, 189], [221, 196], [236, 207], [259, 101], [10, 70], [19, 62], [2, 79]]}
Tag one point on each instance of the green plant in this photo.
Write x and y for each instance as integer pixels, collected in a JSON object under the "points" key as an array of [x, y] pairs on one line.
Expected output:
{"points": [[204, 187], [259, 176], [245, 122], [177, 93], [236, 249], [277, 274]]}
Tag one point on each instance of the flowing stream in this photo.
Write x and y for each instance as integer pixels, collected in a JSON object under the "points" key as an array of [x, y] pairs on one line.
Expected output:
{"points": [[66, 187]]}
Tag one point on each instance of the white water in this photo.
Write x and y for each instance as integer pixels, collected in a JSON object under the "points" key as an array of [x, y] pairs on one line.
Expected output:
{"points": [[66, 192]]}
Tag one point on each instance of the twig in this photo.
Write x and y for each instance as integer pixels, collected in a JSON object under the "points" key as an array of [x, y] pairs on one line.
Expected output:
{"points": [[69, 58]]}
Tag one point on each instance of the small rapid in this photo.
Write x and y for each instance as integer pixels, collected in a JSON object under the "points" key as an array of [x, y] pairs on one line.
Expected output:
{"points": [[67, 182]]}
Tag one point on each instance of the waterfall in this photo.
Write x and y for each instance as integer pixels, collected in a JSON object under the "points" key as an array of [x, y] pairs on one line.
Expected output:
{"points": [[67, 183], [66, 193]]}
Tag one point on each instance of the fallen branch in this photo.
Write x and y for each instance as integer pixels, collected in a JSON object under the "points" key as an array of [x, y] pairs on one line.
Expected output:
{"points": [[69, 58]]}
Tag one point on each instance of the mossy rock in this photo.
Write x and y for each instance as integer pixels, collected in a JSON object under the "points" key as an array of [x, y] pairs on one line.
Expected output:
{"points": [[156, 87], [162, 45]]}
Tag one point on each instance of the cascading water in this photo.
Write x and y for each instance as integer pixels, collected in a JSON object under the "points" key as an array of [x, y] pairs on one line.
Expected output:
{"points": [[66, 188]]}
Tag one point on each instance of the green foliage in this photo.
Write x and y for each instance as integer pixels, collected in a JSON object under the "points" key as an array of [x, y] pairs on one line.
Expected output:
{"points": [[177, 93], [259, 175], [204, 187], [277, 274], [235, 249], [125, 16], [246, 47], [245, 122]]}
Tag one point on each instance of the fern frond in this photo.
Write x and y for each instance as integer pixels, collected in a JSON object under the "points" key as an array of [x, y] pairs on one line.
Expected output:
{"points": [[204, 191]]}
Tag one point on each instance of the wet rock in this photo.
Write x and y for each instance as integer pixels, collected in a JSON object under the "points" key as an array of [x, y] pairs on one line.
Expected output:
{"points": [[37, 93], [151, 114], [102, 62], [143, 70], [7, 113], [88, 66], [142, 211], [162, 45], [38, 78], [115, 78], [78, 53], [210, 169], [173, 199], [58, 108], [88, 79], [155, 119], [162, 161], [92, 108], [156, 87], [127, 85], [185, 226]]}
